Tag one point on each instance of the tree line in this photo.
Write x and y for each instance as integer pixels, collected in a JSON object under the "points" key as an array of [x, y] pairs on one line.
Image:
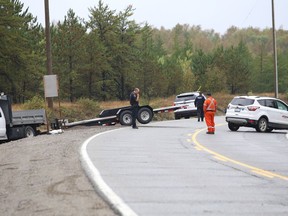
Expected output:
{"points": [[106, 56]]}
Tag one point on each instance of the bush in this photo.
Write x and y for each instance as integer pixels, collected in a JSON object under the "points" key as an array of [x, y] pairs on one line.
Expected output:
{"points": [[37, 102], [88, 107]]}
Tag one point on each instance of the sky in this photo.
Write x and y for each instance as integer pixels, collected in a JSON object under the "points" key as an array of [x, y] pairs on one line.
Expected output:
{"points": [[218, 15]]}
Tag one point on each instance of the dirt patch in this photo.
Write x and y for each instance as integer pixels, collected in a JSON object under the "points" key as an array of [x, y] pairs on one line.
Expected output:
{"points": [[43, 176]]}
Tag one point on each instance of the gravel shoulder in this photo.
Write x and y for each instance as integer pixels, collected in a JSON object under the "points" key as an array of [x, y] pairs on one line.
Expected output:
{"points": [[43, 176]]}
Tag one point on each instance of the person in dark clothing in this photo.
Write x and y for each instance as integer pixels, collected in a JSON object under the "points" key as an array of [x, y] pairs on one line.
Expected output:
{"points": [[199, 101], [134, 101]]}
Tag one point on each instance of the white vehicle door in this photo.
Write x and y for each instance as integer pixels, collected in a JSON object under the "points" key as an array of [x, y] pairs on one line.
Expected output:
{"points": [[282, 113], [272, 111], [2, 125]]}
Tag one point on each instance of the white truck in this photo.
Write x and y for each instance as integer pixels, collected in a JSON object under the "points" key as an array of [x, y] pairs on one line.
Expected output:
{"points": [[18, 124]]}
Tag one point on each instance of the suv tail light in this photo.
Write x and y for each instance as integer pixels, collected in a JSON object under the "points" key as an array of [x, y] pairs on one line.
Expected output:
{"points": [[252, 108]]}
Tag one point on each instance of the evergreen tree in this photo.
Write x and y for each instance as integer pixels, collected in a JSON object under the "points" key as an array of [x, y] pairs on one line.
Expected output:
{"points": [[68, 54], [125, 62], [103, 26], [238, 68], [19, 47]]}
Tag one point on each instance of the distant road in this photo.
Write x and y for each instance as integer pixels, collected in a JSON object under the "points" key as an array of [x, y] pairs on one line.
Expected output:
{"points": [[175, 168]]}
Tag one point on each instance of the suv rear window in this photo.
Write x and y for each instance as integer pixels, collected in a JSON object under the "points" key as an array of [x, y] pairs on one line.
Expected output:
{"points": [[185, 97], [242, 101]]}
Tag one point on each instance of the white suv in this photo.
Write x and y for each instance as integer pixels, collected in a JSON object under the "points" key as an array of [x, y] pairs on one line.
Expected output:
{"points": [[187, 100], [262, 113]]}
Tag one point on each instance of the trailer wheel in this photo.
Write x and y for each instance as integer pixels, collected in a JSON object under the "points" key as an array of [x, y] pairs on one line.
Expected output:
{"points": [[145, 115], [29, 131], [126, 117]]}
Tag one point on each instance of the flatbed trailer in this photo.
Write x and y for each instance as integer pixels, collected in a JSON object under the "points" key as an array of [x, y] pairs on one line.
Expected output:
{"points": [[123, 115]]}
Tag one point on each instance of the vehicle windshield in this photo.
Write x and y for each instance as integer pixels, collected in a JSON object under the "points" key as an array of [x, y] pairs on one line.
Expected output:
{"points": [[185, 97], [242, 101]]}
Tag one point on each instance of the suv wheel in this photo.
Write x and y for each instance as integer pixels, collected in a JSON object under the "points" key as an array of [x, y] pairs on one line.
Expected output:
{"points": [[233, 127], [262, 125]]}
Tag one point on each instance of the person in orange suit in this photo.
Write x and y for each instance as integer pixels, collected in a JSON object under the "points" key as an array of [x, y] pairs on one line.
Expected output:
{"points": [[209, 108]]}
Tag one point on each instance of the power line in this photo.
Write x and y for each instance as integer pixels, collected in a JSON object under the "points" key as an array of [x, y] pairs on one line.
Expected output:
{"points": [[250, 12]]}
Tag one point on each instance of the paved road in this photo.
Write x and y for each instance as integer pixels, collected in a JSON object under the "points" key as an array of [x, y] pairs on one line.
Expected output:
{"points": [[174, 168]]}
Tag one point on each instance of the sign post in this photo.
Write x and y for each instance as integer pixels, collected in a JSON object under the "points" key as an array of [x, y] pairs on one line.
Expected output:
{"points": [[51, 89]]}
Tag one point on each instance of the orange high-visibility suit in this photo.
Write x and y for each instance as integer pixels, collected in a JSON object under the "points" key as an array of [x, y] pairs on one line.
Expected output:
{"points": [[209, 108]]}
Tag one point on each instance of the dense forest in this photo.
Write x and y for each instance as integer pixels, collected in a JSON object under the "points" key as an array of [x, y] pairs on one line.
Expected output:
{"points": [[105, 57]]}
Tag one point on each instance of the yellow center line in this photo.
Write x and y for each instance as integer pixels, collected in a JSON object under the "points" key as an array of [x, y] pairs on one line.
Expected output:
{"points": [[227, 159], [220, 158]]}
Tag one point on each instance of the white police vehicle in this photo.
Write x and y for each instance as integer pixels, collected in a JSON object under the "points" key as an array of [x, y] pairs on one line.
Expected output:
{"points": [[262, 113], [187, 100]]}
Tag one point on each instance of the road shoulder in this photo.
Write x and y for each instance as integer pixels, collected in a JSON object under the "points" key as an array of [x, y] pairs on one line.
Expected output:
{"points": [[43, 175]]}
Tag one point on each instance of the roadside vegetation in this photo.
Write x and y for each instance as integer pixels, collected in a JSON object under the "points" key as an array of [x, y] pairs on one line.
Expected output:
{"points": [[99, 61], [105, 57], [86, 108]]}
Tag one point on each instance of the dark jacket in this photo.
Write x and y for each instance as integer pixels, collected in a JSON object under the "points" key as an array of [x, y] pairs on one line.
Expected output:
{"points": [[133, 98], [199, 101]]}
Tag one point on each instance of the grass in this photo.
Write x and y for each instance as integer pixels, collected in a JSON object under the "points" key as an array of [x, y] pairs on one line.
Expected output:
{"points": [[87, 109]]}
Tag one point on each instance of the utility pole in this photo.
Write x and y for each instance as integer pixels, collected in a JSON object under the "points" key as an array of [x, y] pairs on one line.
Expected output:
{"points": [[274, 52], [48, 47]]}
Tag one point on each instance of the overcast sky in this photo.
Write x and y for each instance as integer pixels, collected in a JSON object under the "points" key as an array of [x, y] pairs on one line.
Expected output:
{"points": [[209, 14]]}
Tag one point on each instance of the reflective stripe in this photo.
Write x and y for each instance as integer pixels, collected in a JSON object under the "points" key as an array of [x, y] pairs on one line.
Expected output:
{"points": [[210, 104]]}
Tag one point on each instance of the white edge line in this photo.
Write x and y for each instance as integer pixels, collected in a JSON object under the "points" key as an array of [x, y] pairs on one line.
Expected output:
{"points": [[99, 184]]}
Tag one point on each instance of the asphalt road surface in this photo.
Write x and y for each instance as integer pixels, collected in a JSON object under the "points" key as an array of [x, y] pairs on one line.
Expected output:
{"points": [[175, 168]]}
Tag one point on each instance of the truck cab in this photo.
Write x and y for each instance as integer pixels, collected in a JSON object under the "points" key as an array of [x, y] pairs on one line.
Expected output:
{"points": [[3, 135]]}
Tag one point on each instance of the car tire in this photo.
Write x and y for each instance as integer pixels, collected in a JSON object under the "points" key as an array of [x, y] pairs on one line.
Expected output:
{"points": [[269, 130], [145, 115], [262, 125], [233, 127], [126, 118], [29, 132]]}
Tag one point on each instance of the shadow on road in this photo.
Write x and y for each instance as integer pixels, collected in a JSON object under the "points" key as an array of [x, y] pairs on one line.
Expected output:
{"points": [[160, 126]]}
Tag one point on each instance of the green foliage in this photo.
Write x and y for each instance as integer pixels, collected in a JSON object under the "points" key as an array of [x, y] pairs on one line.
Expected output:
{"points": [[107, 56], [70, 113], [19, 53], [216, 80], [68, 46], [237, 68], [36, 102], [83, 108], [90, 107]]}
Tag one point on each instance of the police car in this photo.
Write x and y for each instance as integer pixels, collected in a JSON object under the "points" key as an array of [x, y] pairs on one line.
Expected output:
{"points": [[187, 100], [262, 113]]}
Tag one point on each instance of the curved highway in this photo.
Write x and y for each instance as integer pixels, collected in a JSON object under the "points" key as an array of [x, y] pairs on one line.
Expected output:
{"points": [[175, 168]]}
